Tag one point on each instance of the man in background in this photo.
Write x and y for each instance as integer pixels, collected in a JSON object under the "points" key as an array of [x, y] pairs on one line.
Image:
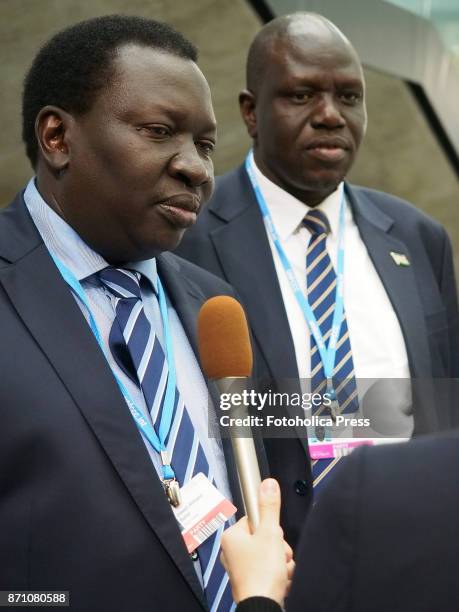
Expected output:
{"points": [[300, 244]]}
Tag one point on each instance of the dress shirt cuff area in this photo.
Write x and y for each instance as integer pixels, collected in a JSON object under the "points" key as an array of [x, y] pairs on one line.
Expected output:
{"points": [[258, 604]]}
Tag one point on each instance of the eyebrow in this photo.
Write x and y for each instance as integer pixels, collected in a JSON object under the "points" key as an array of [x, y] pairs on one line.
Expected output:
{"points": [[177, 114], [314, 80]]}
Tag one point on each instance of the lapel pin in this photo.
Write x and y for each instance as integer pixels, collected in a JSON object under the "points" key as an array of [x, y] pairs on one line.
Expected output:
{"points": [[400, 259]]}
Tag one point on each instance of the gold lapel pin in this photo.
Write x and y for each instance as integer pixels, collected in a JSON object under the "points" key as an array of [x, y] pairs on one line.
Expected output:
{"points": [[400, 258]]}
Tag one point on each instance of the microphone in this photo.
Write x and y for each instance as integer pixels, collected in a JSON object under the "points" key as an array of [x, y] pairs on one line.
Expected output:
{"points": [[226, 358]]}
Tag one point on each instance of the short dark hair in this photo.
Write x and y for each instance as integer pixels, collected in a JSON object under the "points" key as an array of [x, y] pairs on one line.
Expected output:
{"points": [[75, 64]]}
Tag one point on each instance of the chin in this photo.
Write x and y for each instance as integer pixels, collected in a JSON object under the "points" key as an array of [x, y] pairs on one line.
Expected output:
{"points": [[144, 249], [326, 181], [167, 242]]}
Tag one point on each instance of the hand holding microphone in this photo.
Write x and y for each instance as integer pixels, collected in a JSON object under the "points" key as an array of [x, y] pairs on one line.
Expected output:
{"points": [[259, 564]]}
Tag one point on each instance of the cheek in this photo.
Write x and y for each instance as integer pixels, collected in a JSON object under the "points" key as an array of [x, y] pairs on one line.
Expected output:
{"points": [[208, 188], [280, 134], [118, 154], [358, 124], [289, 126]]}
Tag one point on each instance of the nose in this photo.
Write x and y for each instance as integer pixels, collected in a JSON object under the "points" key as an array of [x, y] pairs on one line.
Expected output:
{"points": [[189, 167], [327, 114]]}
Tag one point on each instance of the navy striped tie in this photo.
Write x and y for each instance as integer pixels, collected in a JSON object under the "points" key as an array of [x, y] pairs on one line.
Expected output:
{"points": [[321, 292], [139, 353]]}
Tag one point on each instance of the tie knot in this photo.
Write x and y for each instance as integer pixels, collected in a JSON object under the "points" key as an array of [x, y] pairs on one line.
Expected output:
{"points": [[121, 283], [317, 223]]}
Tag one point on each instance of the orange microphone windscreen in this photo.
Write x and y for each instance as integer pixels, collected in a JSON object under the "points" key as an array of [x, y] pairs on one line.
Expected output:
{"points": [[223, 338]]}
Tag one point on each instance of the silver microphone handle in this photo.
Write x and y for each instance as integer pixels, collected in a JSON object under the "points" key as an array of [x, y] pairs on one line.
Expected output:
{"points": [[244, 452]]}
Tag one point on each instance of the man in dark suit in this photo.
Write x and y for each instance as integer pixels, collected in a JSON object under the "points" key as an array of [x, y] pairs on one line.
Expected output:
{"points": [[304, 108], [383, 536], [119, 127]]}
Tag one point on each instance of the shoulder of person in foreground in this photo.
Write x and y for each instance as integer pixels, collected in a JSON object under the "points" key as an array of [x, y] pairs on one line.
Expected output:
{"points": [[370, 520]]}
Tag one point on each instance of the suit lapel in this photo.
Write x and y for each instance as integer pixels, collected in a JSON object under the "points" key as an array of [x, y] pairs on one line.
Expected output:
{"points": [[45, 305], [399, 281], [250, 268]]}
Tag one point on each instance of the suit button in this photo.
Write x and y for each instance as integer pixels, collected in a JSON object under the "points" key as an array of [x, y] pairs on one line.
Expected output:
{"points": [[301, 487]]}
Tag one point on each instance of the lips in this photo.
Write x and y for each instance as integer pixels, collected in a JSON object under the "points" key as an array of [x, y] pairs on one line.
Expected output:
{"points": [[180, 209], [328, 149]]}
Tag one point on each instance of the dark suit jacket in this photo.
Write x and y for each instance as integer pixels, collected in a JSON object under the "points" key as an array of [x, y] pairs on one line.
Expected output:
{"points": [[383, 535], [230, 241], [81, 507]]}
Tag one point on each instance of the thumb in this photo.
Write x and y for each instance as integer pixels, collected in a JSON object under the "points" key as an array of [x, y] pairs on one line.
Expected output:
{"points": [[269, 501]]}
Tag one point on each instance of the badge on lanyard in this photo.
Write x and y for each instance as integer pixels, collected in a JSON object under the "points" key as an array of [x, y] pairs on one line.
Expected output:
{"points": [[202, 510]]}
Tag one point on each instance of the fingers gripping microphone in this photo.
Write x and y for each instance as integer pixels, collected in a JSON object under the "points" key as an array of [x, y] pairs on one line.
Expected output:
{"points": [[226, 358]]}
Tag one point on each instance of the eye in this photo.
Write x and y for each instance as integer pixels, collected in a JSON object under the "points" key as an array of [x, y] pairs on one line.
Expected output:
{"points": [[300, 97], [207, 146], [350, 97], [157, 131]]}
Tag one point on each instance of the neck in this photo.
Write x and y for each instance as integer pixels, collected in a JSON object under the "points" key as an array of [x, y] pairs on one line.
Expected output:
{"points": [[49, 192], [310, 197]]}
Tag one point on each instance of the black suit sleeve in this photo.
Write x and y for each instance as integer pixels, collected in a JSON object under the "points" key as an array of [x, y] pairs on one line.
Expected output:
{"points": [[258, 604]]}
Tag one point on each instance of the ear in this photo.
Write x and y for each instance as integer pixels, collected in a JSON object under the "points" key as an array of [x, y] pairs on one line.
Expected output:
{"points": [[247, 105], [52, 128]]}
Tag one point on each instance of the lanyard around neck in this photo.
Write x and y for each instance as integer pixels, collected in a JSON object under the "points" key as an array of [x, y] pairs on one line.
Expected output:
{"points": [[327, 352], [157, 440]]}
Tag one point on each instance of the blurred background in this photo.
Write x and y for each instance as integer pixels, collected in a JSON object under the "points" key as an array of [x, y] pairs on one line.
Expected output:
{"points": [[410, 50]]}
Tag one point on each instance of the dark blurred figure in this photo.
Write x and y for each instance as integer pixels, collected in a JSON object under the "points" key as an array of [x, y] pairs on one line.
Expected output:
{"points": [[383, 536]]}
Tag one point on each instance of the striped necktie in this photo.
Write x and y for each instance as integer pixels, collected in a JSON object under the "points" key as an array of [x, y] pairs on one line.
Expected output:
{"points": [[139, 353], [321, 293]]}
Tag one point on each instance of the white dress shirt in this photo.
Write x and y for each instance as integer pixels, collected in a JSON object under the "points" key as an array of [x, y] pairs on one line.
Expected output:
{"points": [[378, 347]]}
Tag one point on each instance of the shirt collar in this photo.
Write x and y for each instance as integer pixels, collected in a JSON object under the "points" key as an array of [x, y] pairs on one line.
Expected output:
{"points": [[63, 242], [288, 212]]}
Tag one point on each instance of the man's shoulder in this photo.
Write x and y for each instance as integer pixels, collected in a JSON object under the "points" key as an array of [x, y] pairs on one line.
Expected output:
{"points": [[208, 283], [10, 207], [410, 468], [18, 234], [395, 207], [231, 179], [234, 182]]}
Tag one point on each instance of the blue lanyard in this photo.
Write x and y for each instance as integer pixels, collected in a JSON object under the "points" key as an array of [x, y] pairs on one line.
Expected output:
{"points": [[327, 354], [157, 441]]}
